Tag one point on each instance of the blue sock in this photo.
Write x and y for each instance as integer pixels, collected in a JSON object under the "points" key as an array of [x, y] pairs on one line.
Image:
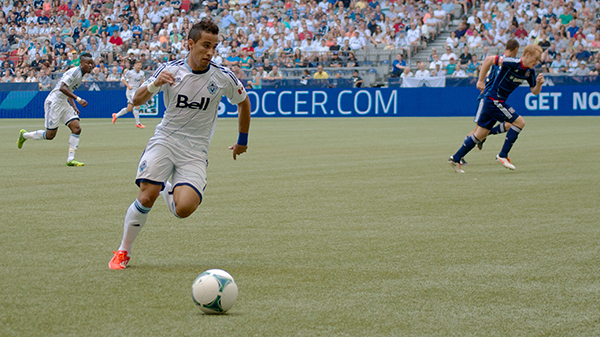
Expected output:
{"points": [[511, 138], [467, 146], [497, 129]]}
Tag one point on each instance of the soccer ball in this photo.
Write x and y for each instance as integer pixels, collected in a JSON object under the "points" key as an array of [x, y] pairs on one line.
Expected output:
{"points": [[214, 291]]}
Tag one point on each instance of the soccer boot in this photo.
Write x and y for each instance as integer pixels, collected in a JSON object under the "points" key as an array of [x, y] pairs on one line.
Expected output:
{"points": [[505, 162], [114, 118], [74, 163], [141, 126], [119, 260], [463, 162], [457, 166], [21, 139]]}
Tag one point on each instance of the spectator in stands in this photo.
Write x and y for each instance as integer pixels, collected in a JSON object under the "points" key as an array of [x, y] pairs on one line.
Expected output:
{"points": [[4, 47], [452, 40], [413, 36], [559, 65], [398, 65], [31, 78], [473, 66], [450, 67], [256, 82], [407, 73], [357, 42], [19, 76], [320, 74], [445, 58], [114, 75], [45, 80], [459, 71], [583, 54], [596, 70], [357, 80], [582, 70], [461, 31], [422, 72], [437, 71], [465, 57], [7, 78], [572, 64], [238, 72]]}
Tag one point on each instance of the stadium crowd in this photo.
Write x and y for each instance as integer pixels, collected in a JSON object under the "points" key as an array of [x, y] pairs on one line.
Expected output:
{"points": [[42, 38]]}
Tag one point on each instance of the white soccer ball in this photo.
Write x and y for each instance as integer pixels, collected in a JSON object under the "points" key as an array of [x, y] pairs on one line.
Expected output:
{"points": [[214, 291]]}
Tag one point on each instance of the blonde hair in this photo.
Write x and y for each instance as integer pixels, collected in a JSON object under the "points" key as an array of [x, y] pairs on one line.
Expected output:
{"points": [[533, 49]]}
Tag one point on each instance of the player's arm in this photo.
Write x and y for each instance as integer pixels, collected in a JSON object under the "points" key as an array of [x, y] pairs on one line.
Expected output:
{"points": [[64, 88], [244, 126], [144, 93], [126, 84], [485, 67], [539, 81]]}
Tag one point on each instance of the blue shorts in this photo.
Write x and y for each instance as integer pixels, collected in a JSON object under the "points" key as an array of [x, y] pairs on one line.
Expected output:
{"points": [[491, 111]]}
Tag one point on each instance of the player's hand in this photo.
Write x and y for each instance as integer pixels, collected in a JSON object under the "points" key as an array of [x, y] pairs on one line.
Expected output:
{"points": [[129, 87], [480, 85], [238, 150], [164, 77], [540, 79], [77, 111], [83, 102]]}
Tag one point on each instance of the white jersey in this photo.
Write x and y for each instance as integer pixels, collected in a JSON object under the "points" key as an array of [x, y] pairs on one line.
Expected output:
{"points": [[134, 79], [72, 78], [192, 103]]}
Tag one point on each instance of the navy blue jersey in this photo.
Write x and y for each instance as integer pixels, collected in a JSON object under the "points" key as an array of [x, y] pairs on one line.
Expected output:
{"points": [[503, 80]]}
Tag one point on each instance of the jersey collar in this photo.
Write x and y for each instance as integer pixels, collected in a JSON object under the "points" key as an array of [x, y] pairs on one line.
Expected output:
{"points": [[197, 72]]}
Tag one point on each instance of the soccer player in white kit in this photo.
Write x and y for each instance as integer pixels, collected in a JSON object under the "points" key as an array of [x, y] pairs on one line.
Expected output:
{"points": [[59, 107], [192, 90], [132, 80]]}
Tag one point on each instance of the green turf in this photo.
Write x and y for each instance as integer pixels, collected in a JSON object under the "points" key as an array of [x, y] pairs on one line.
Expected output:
{"points": [[331, 227]]}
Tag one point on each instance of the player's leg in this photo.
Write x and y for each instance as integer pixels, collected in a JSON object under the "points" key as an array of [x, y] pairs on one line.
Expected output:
{"points": [[135, 219], [189, 181], [484, 123], [73, 142], [511, 137], [500, 128], [51, 122], [136, 115], [154, 168]]}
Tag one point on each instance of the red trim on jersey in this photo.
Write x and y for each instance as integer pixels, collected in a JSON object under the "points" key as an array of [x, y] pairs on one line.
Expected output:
{"points": [[497, 100]]}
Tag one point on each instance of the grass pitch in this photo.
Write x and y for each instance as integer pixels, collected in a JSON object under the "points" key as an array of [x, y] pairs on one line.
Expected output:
{"points": [[331, 227]]}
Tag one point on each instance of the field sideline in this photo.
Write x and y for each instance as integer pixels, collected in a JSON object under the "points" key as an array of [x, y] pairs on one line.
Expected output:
{"points": [[331, 227]]}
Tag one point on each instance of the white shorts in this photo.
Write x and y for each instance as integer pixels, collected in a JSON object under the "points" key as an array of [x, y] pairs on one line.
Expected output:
{"points": [[159, 162], [59, 111], [129, 94]]}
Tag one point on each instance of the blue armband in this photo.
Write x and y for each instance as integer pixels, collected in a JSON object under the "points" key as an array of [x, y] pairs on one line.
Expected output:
{"points": [[243, 139]]}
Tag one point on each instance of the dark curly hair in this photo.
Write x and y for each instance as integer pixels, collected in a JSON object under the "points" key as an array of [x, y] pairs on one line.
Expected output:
{"points": [[205, 25]]}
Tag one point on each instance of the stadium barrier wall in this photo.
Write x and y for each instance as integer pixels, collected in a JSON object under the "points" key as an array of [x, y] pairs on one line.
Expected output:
{"points": [[337, 102]]}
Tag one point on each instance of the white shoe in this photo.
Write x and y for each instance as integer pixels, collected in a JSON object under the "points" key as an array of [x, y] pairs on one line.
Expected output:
{"points": [[505, 162], [457, 166]]}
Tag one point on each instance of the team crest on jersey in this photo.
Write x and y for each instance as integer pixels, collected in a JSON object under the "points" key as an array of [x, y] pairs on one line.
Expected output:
{"points": [[143, 166], [177, 80], [212, 88], [527, 73]]}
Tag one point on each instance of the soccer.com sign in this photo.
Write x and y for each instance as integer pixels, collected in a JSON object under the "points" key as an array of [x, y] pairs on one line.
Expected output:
{"points": [[412, 102], [318, 103]]}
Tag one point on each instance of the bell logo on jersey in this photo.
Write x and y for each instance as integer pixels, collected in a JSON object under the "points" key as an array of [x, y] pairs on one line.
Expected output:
{"points": [[182, 102]]}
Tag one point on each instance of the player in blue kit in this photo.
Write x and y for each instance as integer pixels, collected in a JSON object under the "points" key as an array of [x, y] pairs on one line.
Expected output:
{"points": [[511, 49], [492, 105], [175, 160]]}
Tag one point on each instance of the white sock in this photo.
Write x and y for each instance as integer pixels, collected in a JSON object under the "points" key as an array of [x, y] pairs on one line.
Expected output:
{"points": [[169, 198], [39, 134], [136, 114], [73, 144], [122, 112], [135, 218]]}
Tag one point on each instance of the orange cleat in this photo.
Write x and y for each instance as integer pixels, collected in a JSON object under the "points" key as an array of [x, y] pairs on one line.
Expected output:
{"points": [[141, 126], [114, 118], [119, 260]]}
